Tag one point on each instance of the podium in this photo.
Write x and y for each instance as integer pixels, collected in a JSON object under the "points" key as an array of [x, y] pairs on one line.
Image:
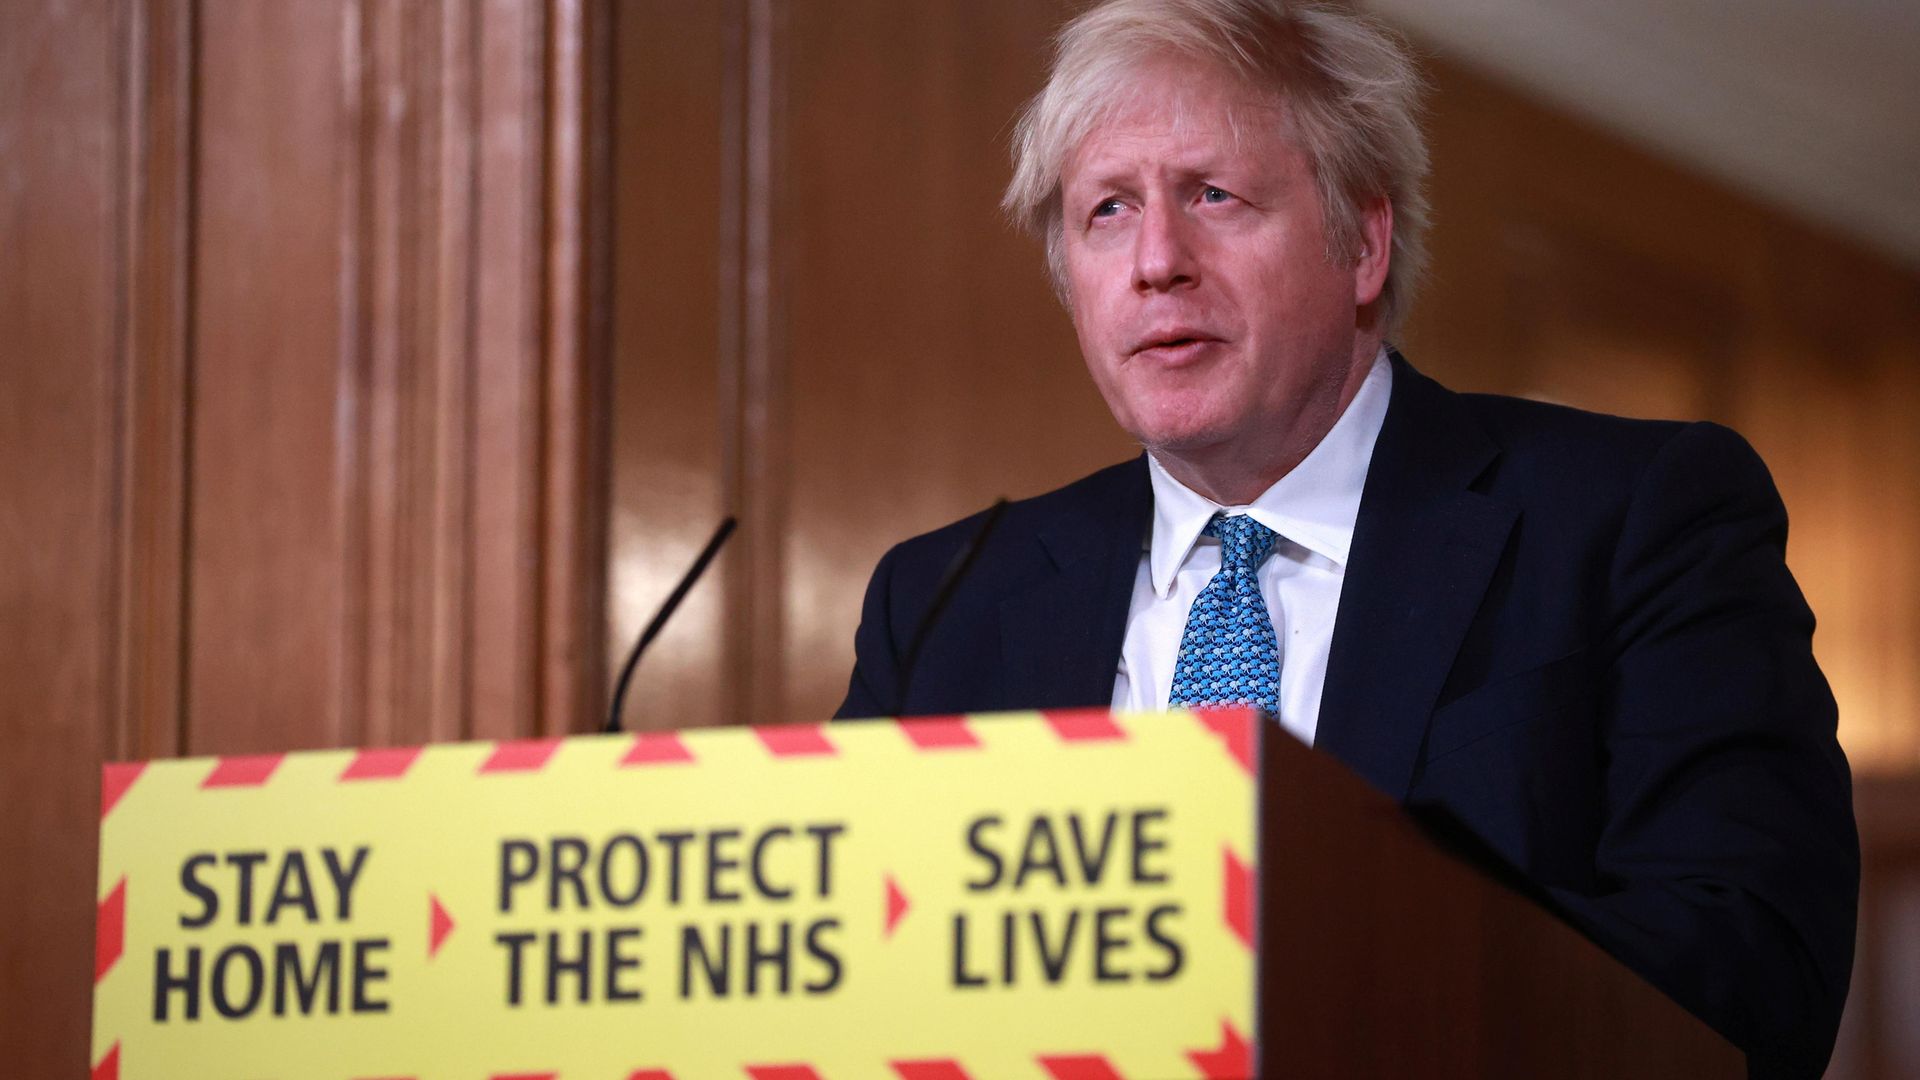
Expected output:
{"points": [[1059, 895], [1383, 955]]}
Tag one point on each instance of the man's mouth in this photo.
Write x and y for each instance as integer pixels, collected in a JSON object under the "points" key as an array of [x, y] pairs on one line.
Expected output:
{"points": [[1174, 348]]}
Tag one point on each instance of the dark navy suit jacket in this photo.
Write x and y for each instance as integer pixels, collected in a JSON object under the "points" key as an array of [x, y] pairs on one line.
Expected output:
{"points": [[1575, 634]]}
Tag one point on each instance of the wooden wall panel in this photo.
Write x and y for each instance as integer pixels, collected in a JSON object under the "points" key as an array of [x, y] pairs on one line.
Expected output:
{"points": [[883, 356], [1878, 1036], [59, 396], [395, 463], [929, 366], [506, 394], [304, 383], [266, 632], [1831, 402], [573, 103], [678, 141]]}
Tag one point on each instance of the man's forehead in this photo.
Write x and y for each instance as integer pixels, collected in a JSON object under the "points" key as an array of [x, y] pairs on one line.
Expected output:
{"points": [[1187, 125]]}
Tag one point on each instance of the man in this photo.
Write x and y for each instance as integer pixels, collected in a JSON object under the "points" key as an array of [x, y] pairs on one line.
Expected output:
{"points": [[1574, 633]]}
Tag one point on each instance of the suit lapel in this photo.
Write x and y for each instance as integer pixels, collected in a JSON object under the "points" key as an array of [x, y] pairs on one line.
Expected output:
{"points": [[1062, 637], [1425, 548]]}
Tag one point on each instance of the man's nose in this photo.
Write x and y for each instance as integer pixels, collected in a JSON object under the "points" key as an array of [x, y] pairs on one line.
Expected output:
{"points": [[1163, 257]]}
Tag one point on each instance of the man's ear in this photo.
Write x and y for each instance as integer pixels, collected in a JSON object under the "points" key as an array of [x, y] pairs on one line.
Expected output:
{"points": [[1376, 251]]}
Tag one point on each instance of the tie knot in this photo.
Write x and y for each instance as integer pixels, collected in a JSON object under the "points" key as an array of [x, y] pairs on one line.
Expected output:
{"points": [[1244, 542]]}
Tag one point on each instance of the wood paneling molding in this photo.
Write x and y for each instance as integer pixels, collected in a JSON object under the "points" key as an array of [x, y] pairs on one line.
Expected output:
{"points": [[156, 183], [62, 223], [762, 475], [539, 369], [579, 374], [471, 479]]}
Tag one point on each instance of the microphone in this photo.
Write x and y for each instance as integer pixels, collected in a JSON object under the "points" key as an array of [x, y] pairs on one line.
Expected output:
{"points": [[660, 618], [949, 582]]}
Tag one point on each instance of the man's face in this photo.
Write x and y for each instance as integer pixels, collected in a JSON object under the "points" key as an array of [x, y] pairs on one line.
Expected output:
{"points": [[1196, 263]]}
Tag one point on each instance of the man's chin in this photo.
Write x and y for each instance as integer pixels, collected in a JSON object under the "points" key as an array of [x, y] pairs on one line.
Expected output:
{"points": [[1196, 425], [1183, 442]]}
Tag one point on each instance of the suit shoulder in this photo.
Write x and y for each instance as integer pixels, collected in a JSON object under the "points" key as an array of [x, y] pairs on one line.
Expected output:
{"points": [[1575, 444], [1526, 424]]}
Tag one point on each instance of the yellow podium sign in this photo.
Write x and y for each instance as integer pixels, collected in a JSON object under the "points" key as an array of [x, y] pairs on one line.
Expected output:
{"points": [[1062, 896]]}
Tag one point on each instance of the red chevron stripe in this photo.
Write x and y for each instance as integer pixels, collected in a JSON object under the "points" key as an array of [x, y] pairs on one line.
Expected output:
{"points": [[796, 740], [1239, 898], [1084, 725], [520, 755], [942, 1069], [1080, 1067], [115, 778], [1233, 1060], [110, 930], [109, 1067], [242, 770], [381, 763], [657, 748], [939, 733], [782, 1072]]}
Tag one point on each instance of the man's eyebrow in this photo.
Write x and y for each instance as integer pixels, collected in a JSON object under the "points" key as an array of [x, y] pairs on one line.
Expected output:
{"points": [[1108, 178], [1124, 178]]}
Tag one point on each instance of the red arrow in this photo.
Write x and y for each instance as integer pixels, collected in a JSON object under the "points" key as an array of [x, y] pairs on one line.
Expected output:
{"points": [[439, 925], [896, 905]]}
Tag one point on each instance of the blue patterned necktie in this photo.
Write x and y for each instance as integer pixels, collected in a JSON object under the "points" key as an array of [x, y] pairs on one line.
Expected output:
{"points": [[1228, 655]]}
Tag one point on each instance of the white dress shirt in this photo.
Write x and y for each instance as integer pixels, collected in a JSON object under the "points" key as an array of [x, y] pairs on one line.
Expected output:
{"points": [[1312, 508]]}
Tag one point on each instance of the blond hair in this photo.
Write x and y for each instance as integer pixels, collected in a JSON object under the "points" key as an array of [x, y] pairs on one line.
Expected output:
{"points": [[1351, 89]]}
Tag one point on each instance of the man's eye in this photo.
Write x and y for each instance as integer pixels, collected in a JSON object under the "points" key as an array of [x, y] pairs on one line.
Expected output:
{"points": [[1214, 195], [1107, 208]]}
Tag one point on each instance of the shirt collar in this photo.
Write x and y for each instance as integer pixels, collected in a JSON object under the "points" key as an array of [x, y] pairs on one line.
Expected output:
{"points": [[1314, 506]]}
